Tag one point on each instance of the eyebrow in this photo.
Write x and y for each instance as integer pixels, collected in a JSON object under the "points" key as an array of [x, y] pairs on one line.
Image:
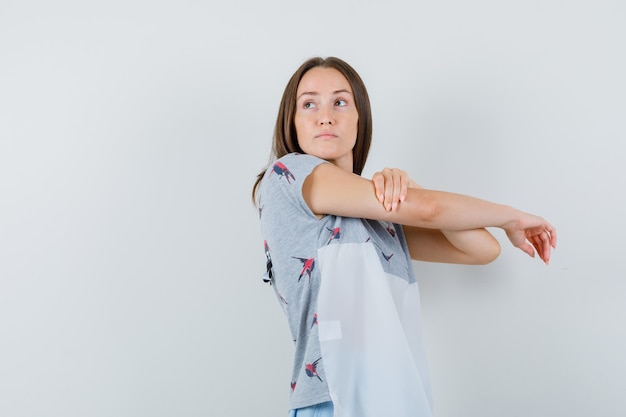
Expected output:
{"points": [[314, 93]]}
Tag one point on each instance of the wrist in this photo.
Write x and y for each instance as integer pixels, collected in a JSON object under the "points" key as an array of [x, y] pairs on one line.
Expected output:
{"points": [[511, 218]]}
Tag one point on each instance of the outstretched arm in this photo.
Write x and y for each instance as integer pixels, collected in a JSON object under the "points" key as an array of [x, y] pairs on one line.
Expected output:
{"points": [[471, 247], [330, 190]]}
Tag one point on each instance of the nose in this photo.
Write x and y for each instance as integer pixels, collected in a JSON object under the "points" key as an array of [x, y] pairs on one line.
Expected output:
{"points": [[325, 116]]}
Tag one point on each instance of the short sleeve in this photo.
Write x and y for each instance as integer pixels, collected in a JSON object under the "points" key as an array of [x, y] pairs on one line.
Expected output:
{"points": [[282, 184]]}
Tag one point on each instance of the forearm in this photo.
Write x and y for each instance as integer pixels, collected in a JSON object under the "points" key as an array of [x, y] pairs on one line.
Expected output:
{"points": [[448, 227], [455, 212]]}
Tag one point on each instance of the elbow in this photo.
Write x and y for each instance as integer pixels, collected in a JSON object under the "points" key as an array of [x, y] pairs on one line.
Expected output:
{"points": [[428, 211], [422, 209], [489, 253], [481, 250]]}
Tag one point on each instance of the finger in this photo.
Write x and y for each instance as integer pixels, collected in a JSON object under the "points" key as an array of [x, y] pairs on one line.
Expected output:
{"points": [[541, 242], [545, 242], [379, 186], [552, 232], [526, 247], [388, 173], [404, 185], [397, 188], [538, 245]]}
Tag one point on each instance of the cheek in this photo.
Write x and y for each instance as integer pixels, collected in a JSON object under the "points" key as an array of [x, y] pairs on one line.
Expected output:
{"points": [[356, 126], [299, 124], [300, 132]]}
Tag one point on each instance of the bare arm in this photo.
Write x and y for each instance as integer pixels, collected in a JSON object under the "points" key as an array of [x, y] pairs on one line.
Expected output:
{"points": [[330, 190], [470, 247]]}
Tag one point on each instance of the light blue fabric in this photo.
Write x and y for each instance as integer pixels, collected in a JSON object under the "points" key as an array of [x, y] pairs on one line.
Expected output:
{"points": [[317, 410]]}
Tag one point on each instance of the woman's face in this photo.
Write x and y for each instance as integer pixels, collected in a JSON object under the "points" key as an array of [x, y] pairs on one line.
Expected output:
{"points": [[326, 117]]}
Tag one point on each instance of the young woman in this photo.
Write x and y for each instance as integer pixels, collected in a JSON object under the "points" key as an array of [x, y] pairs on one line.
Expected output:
{"points": [[339, 250]]}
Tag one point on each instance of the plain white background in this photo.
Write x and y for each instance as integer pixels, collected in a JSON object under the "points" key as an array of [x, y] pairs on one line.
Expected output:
{"points": [[130, 253]]}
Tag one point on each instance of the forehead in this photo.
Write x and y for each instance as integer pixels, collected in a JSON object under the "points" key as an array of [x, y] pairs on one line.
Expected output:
{"points": [[323, 80]]}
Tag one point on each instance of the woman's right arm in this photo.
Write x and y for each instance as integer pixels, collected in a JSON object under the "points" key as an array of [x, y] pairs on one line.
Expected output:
{"points": [[330, 190]]}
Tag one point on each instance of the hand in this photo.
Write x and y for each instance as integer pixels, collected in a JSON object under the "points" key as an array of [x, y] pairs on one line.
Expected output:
{"points": [[390, 186], [532, 233]]}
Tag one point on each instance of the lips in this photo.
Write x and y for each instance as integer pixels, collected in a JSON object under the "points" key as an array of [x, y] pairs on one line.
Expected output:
{"points": [[325, 135]]}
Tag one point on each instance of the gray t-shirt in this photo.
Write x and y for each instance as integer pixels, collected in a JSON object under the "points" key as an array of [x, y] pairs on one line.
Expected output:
{"points": [[293, 235]]}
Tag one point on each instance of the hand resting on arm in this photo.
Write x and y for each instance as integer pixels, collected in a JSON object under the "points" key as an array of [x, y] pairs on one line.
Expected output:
{"points": [[440, 226]]}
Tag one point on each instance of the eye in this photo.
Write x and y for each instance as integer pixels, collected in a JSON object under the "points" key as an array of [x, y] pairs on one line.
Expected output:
{"points": [[341, 103], [308, 105]]}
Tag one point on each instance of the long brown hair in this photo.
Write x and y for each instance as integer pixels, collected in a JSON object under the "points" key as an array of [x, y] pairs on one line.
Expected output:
{"points": [[285, 137]]}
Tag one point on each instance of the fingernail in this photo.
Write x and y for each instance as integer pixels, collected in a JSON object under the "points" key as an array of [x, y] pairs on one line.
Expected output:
{"points": [[394, 206]]}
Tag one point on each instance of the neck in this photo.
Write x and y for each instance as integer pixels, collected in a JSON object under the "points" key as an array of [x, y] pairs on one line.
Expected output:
{"points": [[345, 163]]}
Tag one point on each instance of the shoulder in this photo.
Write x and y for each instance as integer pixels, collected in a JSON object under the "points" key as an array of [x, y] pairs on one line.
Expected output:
{"points": [[295, 162], [281, 188], [291, 169]]}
